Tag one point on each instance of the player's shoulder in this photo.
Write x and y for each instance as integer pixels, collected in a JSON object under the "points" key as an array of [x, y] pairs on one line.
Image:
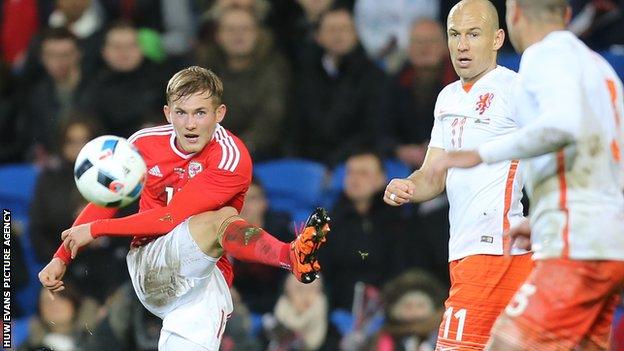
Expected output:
{"points": [[162, 132], [536, 58], [450, 91], [231, 154], [503, 77]]}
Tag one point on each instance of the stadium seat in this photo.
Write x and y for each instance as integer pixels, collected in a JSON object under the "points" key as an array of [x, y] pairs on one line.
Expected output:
{"points": [[18, 184], [16, 192], [293, 185]]}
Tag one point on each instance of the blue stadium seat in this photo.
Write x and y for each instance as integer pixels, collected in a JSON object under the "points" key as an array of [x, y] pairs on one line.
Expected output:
{"points": [[17, 184], [16, 192], [292, 185]]}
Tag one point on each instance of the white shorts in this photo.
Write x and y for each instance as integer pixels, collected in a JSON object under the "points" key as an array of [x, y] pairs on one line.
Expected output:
{"points": [[177, 282]]}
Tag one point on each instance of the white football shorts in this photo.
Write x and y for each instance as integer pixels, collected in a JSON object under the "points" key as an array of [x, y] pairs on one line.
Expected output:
{"points": [[179, 283]]}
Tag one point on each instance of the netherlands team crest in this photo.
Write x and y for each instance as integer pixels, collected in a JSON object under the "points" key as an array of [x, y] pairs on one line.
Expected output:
{"points": [[484, 102], [194, 168]]}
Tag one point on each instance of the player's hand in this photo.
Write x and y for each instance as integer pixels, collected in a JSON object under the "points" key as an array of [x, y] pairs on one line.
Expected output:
{"points": [[51, 275], [520, 236], [399, 192], [76, 237]]}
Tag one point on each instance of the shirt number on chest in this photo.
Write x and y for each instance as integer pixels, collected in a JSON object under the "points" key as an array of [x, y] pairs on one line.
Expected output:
{"points": [[457, 132], [169, 191]]}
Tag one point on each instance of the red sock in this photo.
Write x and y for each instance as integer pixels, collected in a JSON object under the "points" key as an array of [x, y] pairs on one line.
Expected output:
{"points": [[247, 242]]}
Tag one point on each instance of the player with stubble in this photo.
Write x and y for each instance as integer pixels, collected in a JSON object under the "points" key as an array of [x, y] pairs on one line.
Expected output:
{"points": [[484, 201], [570, 107]]}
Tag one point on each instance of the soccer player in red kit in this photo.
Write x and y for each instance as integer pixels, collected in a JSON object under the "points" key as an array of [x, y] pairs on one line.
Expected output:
{"points": [[198, 174]]}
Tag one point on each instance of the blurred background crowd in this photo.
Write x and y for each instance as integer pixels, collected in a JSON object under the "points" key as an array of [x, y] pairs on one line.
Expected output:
{"points": [[332, 97]]}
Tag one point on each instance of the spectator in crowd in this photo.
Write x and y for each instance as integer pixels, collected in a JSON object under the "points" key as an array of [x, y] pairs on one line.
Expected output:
{"points": [[13, 131], [173, 20], [84, 19], [257, 77], [125, 93], [106, 259], [414, 304], [126, 326], [337, 94], [57, 93], [62, 321], [294, 26], [414, 91], [300, 319], [56, 181], [260, 9], [384, 27], [427, 248], [365, 233], [259, 284]]}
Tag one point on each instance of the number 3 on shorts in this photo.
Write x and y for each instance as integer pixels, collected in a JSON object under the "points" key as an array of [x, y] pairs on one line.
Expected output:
{"points": [[520, 301]]}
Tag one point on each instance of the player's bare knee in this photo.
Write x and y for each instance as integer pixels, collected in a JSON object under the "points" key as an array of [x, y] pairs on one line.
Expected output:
{"points": [[211, 220], [204, 228]]}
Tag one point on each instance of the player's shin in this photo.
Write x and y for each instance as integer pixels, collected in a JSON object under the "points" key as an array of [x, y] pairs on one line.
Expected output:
{"points": [[246, 242]]}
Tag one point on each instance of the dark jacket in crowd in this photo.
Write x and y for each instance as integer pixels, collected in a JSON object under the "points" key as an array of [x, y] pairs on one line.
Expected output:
{"points": [[127, 326], [47, 108], [256, 97], [411, 103], [361, 248], [123, 101], [335, 114]]}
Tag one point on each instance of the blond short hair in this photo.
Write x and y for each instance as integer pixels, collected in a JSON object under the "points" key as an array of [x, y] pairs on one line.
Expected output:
{"points": [[194, 80]]}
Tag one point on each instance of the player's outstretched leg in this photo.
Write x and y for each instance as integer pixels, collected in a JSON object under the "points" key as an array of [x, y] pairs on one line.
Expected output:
{"points": [[246, 242], [303, 250]]}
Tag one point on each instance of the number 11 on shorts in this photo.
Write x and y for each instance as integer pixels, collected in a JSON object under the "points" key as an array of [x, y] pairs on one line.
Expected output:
{"points": [[460, 315]]}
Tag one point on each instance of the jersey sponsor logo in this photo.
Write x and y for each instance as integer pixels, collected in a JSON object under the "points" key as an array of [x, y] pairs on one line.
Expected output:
{"points": [[155, 171], [487, 239], [484, 102], [194, 168]]}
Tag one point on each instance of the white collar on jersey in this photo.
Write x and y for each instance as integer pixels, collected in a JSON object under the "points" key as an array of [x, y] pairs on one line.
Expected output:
{"points": [[175, 148]]}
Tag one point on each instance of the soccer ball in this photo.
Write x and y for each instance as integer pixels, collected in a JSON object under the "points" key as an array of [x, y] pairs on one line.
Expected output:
{"points": [[109, 171]]}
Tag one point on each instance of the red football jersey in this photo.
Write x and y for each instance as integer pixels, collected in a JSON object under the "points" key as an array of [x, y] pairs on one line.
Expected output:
{"points": [[179, 185]]}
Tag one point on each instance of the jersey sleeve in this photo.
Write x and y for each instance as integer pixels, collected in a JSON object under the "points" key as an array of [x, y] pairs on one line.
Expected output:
{"points": [[209, 190], [557, 91], [89, 214]]}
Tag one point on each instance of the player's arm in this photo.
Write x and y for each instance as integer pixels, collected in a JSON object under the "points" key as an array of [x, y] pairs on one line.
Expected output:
{"points": [[420, 186], [52, 274], [209, 190], [89, 214], [557, 89]]}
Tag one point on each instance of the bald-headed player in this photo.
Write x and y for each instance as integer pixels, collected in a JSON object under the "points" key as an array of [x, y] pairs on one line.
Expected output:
{"points": [[570, 105], [484, 201]]}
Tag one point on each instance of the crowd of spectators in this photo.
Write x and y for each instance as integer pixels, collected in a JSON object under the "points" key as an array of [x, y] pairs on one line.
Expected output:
{"points": [[340, 82]]}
